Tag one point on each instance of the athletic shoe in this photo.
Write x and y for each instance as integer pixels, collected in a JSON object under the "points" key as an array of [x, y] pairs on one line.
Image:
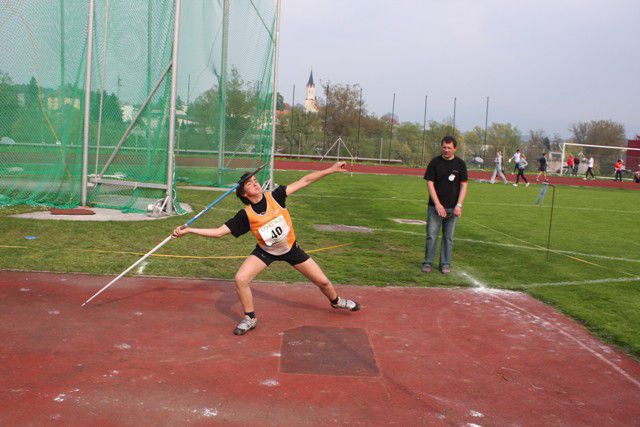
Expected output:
{"points": [[346, 304], [527, 184], [445, 269], [245, 325], [426, 268], [515, 185]]}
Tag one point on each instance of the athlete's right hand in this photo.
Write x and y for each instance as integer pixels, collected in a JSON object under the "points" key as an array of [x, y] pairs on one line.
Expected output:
{"points": [[179, 232], [340, 167], [442, 212]]}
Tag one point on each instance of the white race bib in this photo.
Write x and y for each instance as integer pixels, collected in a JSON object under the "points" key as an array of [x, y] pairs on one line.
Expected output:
{"points": [[275, 231]]}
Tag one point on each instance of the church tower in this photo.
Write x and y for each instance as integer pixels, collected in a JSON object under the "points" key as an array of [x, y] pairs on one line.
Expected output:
{"points": [[311, 102]]}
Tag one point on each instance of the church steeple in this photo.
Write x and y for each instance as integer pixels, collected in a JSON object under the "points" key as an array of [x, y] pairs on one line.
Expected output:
{"points": [[310, 82], [310, 102]]}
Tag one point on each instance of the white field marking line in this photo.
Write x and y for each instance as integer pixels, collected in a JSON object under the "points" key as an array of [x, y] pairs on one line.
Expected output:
{"points": [[551, 250], [467, 202], [562, 331], [584, 282], [511, 245]]}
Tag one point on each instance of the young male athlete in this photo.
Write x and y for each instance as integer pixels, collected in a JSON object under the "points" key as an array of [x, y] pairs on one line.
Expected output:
{"points": [[265, 214]]}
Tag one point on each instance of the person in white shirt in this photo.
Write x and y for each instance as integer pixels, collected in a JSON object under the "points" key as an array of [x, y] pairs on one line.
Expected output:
{"points": [[497, 170], [590, 163], [522, 164], [516, 159]]}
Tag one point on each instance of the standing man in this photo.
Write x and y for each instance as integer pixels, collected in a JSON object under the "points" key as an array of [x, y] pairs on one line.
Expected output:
{"points": [[576, 163], [619, 166], [497, 171], [569, 165], [590, 163], [542, 170], [446, 177]]}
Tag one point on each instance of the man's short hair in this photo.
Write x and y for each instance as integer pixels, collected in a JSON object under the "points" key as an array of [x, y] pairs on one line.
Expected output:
{"points": [[449, 140]]}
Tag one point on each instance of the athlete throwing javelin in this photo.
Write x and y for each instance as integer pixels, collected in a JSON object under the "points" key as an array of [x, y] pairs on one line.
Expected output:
{"points": [[265, 214]]}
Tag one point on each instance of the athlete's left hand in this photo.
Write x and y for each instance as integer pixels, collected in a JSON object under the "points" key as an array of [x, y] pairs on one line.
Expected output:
{"points": [[340, 167], [457, 211]]}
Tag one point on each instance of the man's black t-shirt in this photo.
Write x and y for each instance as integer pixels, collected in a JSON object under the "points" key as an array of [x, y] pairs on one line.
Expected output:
{"points": [[239, 224], [543, 162], [446, 176]]}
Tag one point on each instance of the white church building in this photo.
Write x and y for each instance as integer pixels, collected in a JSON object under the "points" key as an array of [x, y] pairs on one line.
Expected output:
{"points": [[311, 102]]}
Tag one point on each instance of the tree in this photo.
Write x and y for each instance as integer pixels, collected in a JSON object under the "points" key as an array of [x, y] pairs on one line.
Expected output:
{"points": [[8, 104], [344, 108]]}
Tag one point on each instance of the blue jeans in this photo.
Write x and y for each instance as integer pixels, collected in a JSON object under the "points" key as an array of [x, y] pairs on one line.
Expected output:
{"points": [[434, 222]]}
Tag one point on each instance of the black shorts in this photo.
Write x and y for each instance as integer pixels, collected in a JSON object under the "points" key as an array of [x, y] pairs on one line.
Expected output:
{"points": [[542, 169], [294, 257]]}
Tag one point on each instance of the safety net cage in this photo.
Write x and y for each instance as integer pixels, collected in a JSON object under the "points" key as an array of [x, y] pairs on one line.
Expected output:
{"points": [[45, 47], [226, 90]]}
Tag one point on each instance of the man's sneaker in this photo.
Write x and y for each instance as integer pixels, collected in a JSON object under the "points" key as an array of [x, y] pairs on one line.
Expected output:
{"points": [[426, 268], [445, 269], [245, 325], [346, 304], [527, 184], [515, 185]]}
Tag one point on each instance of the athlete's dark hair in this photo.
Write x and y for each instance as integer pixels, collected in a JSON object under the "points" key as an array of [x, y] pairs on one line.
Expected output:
{"points": [[240, 189], [449, 140]]}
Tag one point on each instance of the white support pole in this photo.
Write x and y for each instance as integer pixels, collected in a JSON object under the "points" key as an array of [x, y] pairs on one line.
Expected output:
{"points": [[222, 90], [172, 109], [87, 105], [275, 95], [562, 158]]}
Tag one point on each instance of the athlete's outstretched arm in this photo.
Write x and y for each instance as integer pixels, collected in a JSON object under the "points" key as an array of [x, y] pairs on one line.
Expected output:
{"points": [[313, 177], [221, 231]]}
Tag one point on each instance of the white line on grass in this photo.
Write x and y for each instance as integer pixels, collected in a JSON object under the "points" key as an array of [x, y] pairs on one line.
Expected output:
{"points": [[511, 245], [468, 202], [544, 322], [584, 282]]}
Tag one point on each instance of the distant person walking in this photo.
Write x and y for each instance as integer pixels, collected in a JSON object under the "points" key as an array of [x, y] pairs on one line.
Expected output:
{"points": [[446, 177], [542, 168], [516, 159], [522, 165], [590, 163], [497, 170], [618, 167]]}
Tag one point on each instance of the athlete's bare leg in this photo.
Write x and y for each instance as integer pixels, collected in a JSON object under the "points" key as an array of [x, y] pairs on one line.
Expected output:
{"points": [[312, 271], [250, 268]]}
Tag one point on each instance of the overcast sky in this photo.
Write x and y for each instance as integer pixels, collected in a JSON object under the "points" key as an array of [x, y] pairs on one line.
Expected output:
{"points": [[543, 63]]}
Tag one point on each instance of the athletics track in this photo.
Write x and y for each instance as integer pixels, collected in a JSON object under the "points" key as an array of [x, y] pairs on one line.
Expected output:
{"points": [[159, 351], [402, 170]]}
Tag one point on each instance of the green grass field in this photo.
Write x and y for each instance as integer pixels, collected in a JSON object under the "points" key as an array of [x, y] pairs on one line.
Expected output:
{"points": [[593, 272]]}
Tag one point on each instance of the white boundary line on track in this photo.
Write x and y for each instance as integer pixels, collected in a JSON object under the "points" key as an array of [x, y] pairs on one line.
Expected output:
{"points": [[625, 374], [511, 245]]}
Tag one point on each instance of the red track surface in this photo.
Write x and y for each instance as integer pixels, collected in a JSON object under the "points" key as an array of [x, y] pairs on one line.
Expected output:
{"points": [[160, 352], [402, 170]]}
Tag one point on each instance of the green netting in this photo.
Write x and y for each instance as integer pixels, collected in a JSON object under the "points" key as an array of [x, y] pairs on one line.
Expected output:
{"points": [[226, 89], [42, 91]]}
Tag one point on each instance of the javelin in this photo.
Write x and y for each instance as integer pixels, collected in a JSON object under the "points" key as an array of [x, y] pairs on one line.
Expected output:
{"points": [[161, 244]]}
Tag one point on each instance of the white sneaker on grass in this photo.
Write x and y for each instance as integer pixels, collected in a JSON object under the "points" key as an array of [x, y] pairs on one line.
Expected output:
{"points": [[346, 304], [245, 325]]}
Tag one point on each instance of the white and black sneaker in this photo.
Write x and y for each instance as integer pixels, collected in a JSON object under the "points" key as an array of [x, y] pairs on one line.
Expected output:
{"points": [[346, 304], [245, 325]]}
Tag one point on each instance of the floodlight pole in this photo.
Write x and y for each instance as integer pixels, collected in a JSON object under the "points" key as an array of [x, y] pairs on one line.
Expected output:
{"points": [[424, 126], [172, 109], [276, 52], [393, 113], [553, 200], [87, 105], [486, 123]]}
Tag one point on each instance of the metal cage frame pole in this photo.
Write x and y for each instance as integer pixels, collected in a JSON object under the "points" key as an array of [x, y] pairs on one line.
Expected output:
{"points": [[222, 90], [172, 109], [87, 105], [275, 94]]}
